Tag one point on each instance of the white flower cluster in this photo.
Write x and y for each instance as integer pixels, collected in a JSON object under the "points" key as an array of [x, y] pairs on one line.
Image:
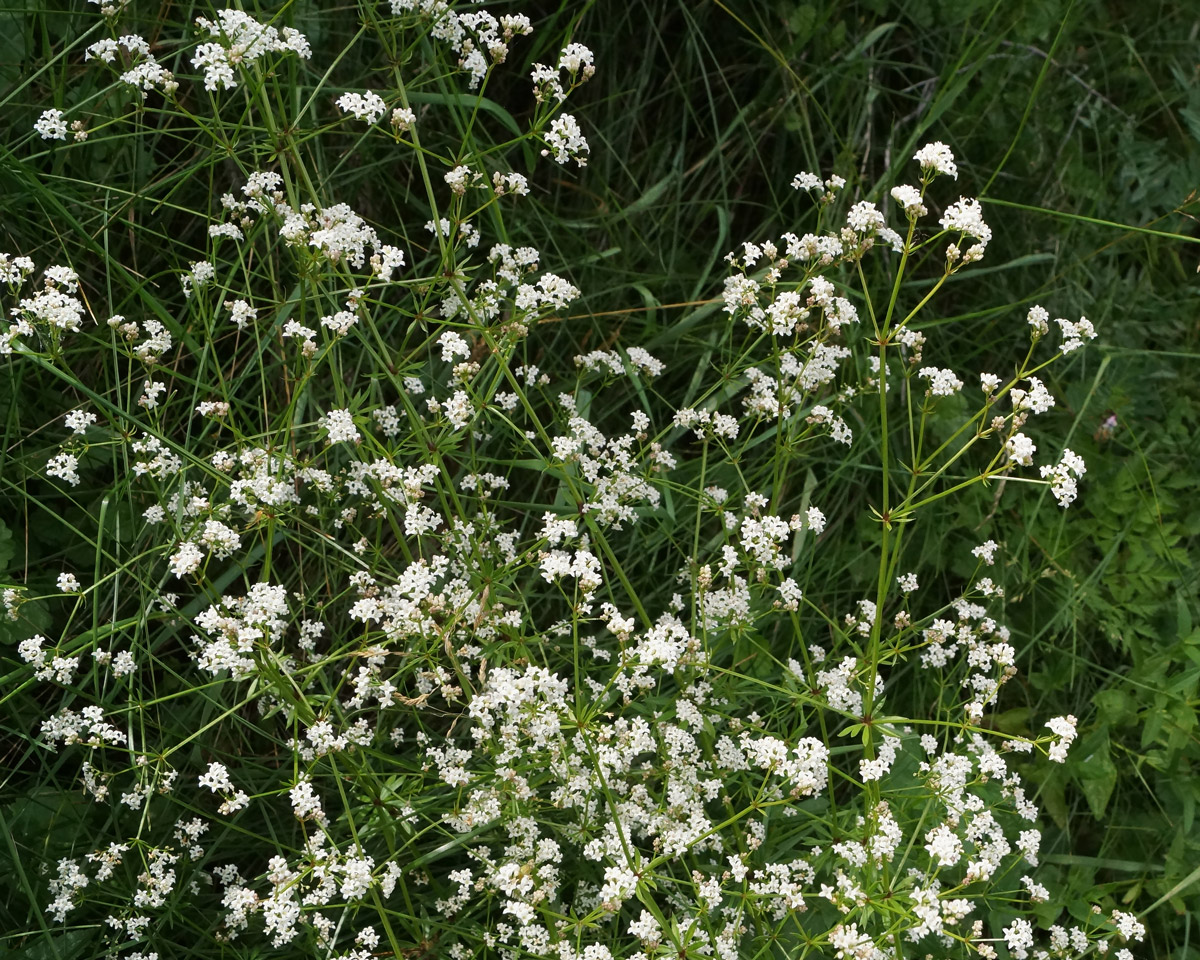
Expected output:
{"points": [[217, 779], [1074, 333], [810, 181], [145, 72], [241, 41], [53, 310], [611, 362], [449, 618], [935, 158], [942, 383], [565, 140], [1064, 729], [231, 630], [339, 425], [478, 38], [619, 479], [966, 219], [51, 125], [367, 107]]}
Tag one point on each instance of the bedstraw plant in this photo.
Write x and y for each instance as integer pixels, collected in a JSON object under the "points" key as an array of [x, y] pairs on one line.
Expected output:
{"points": [[396, 619]]}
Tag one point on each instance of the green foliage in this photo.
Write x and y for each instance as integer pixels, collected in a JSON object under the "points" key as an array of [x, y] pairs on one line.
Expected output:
{"points": [[1078, 122]]}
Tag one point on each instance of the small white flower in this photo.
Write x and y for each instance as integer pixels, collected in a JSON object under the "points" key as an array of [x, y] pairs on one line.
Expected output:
{"points": [[1019, 937], [1062, 483], [909, 198], [79, 420], [936, 158], [453, 345], [368, 107], [340, 425], [1038, 318], [942, 382], [186, 559], [403, 118], [1064, 728], [64, 466], [566, 141], [966, 216], [123, 664], [217, 779], [986, 552], [458, 178], [807, 181], [944, 845], [576, 57], [51, 125], [1021, 449], [68, 583]]}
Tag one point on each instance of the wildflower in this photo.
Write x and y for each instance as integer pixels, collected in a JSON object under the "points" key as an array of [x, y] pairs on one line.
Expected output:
{"points": [[68, 583], [64, 467], [942, 383], [936, 158], [123, 664], [1029, 843], [1020, 449], [546, 85], [790, 595], [1075, 333], [216, 778], [340, 323], [1037, 318], [458, 179], [966, 217], [240, 40], [944, 845], [1064, 729], [877, 768], [403, 119], [186, 559], [151, 391], [222, 540], [200, 275], [566, 141], [240, 312], [305, 803], [1128, 925], [340, 426], [807, 181], [986, 552], [514, 183], [368, 107], [453, 345], [1062, 483], [576, 59], [864, 217], [849, 943], [1019, 938], [230, 230], [79, 420], [909, 198], [1037, 892], [51, 125], [1036, 399]]}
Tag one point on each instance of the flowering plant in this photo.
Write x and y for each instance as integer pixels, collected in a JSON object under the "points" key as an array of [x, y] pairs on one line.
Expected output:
{"points": [[393, 559]]}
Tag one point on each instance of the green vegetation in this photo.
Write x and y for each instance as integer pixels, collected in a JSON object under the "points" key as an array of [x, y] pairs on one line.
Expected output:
{"points": [[415, 608]]}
